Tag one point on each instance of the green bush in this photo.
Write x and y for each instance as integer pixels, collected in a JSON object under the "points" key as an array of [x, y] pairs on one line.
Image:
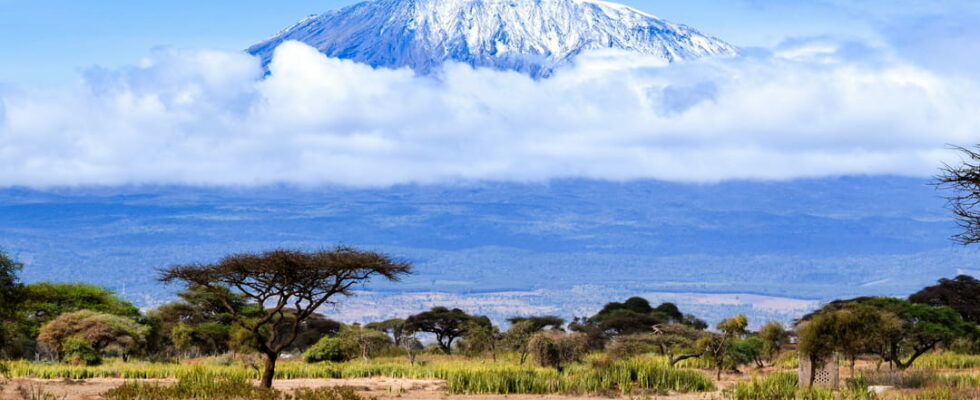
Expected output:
{"points": [[79, 352], [327, 349]]}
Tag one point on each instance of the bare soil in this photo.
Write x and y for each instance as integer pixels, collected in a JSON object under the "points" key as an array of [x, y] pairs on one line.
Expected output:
{"points": [[380, 388]]}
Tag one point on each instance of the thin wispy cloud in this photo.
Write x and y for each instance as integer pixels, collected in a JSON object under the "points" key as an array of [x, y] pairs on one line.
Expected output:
{"points": [[811, 107]]}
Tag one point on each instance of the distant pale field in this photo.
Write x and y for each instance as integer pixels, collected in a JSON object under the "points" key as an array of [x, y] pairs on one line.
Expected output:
{"points": [[578, 301]]}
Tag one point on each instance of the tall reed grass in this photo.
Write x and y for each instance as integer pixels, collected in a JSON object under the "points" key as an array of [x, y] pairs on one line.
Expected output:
{"points": [[200, 383], [947, 360], [461, 376], [776, 386]]}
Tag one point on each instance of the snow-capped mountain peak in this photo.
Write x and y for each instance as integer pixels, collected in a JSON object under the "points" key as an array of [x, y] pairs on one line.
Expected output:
{"points": [[530, 36]]}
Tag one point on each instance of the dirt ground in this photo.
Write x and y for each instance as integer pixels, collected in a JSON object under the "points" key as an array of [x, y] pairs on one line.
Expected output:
{"points": [[381, 388]]}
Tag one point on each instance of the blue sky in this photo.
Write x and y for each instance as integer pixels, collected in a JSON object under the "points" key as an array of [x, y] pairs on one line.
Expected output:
{"points": [[153, 92], [50, 41]]}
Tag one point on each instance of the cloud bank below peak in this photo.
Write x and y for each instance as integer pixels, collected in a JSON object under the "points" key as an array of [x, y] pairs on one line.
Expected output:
{"points": [[809, 108]]}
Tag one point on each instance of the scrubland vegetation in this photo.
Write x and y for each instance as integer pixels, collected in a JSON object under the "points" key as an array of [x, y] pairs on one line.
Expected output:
{"points": [[251, 319]]}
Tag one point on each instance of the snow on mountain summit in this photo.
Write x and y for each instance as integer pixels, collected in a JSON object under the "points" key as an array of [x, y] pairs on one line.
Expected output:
{"points": [[529, 36]]}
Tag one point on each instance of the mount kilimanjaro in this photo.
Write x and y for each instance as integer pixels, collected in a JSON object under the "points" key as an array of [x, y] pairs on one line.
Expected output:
{"points": [[529, 36]]}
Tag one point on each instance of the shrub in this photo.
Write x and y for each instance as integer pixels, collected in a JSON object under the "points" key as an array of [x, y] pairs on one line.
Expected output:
{"points": [[555, 349], [100, 331], [77, 351], [326, 349]]}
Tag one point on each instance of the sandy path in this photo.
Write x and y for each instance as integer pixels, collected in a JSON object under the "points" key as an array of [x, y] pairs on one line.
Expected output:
{"points": [[381, 388]]}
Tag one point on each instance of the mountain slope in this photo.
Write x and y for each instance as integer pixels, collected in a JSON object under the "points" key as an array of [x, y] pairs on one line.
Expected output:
{"points": [[508, 249], [529, 36]]}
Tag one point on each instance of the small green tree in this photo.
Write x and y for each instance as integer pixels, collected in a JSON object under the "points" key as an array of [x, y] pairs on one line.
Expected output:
{"points": [[481, 336], [748, 350], [818, 341], [774, 337], [718, 347], [855, 329]]}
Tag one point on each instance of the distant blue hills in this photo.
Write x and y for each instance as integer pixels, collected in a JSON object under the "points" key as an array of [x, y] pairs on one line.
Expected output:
{"points": [[809, 239]]}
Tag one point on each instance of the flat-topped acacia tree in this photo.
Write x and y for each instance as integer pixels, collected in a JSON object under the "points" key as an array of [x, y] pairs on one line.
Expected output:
{"points": [[280, 279]]}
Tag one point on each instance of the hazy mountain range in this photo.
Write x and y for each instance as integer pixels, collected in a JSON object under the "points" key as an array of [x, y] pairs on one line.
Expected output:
{"points": [[813, 239]]}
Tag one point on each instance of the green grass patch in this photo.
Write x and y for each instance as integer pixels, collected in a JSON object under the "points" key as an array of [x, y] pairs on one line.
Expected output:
{"points": [[462, 376], [948, 360]]}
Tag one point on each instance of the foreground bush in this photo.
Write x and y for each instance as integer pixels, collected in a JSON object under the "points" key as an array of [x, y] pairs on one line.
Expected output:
{"points": [[78, 352], [326, 349], [555, 348]]}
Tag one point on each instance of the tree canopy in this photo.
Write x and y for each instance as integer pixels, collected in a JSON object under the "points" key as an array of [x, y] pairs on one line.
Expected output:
{"points": [[101, 331], [45, 301], [446, 324], [11, 297], [280, 279], [636, 315], [896, 330], [961, 293]]}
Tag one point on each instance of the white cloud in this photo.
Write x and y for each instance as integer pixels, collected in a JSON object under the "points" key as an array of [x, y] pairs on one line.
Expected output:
{"points": [[204, 117]]}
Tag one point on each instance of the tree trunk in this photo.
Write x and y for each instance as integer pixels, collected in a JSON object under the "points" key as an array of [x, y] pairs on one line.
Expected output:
{"points": [[852, 360], [674, 360], [813, 372], [270, 370]]}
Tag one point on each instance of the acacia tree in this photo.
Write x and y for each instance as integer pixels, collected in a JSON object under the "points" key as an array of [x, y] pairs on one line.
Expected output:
{"points": [[961, 293], [963, 180], [922, 329], [676, 341], [719, 347], [277, 279], [448, 325], [896, 330], [392, 327]]}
